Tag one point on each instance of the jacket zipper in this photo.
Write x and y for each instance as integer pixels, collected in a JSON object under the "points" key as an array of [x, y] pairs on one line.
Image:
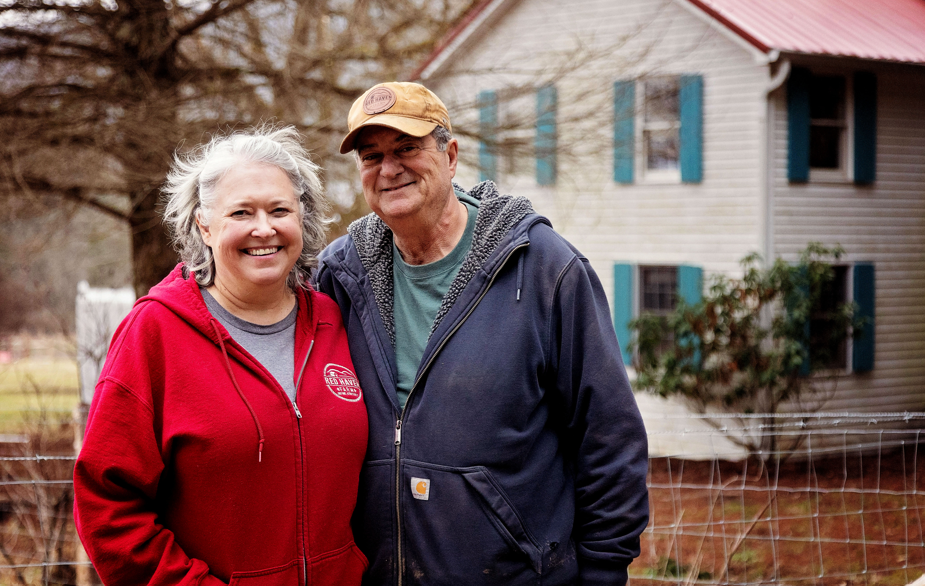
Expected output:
{"points": [[398, 424], [298, 425]]}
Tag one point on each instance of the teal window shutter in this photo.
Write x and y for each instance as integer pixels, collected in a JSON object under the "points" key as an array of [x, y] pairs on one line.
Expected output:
{"points": [[690, 284], [623, 306], [488, 129], [546, 104], [865, 127], [798, 125], [862, 359], [691, 137], [690, 289], [624, 119]]}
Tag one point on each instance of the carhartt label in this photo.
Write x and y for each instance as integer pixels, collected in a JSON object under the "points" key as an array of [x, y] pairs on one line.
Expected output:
{"points": [[342, 382], [379, 100], [420, 488]]}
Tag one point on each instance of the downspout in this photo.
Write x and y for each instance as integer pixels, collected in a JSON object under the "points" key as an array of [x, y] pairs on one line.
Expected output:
{"points": [[767, 153]]}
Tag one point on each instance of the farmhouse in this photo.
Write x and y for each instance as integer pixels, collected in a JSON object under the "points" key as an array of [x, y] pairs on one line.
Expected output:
{"points": [[667, 139]]}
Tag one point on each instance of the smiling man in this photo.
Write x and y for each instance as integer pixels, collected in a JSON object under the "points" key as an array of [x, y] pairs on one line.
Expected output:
{"points": [[505, 446]]}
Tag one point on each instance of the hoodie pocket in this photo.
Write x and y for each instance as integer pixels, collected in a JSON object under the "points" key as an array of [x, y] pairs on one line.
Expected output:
{"points": [[279, 576], [459, 527], [503, 515]]}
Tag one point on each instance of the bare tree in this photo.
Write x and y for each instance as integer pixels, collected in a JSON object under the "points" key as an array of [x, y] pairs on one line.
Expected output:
{"points": [[97, 94]]}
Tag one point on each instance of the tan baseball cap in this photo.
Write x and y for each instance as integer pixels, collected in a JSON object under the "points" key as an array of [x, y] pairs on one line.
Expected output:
{"points": [[407, 107]]}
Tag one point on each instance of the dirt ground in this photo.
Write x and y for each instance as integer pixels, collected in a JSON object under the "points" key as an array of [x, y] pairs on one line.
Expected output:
{"points": [[852, 519]]}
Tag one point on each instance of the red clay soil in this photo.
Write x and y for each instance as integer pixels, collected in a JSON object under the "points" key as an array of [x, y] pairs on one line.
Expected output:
{"points": [[853, 519]]}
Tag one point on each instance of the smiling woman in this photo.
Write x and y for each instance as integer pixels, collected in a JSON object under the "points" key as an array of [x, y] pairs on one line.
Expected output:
{"points": [[227, 429]]}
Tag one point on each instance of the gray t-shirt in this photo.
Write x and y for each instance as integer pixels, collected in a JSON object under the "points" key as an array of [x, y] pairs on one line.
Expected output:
{"points": [[273, 346], [419, 290]]}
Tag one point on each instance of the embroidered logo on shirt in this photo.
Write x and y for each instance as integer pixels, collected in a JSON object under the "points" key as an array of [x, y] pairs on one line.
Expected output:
{"points": [[420, 488], [342, 382]]}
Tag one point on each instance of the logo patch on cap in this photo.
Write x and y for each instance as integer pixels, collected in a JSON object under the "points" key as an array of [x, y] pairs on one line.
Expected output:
{"points": [[420, 488], [379, 100], [342, 382]]}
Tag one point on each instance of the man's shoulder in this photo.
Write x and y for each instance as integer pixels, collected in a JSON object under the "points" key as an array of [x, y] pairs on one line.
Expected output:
{"points": [[543, 235]]}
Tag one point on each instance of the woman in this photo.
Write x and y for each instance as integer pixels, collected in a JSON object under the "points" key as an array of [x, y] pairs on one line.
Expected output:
{"points": [[227, 430]]}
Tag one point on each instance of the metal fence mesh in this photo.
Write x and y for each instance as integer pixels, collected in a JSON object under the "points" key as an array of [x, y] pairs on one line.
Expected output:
{"points": [[837, 499]]}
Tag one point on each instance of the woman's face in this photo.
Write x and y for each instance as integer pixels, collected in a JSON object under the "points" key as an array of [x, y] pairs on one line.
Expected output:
{"points": [[255, 232]]}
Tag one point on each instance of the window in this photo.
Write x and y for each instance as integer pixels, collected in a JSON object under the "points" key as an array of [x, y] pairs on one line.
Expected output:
{"points": [[658, 289], [661, 125], [664, 117], [826, 350], [658, 293], [650, 289], [511, 133], [832, 126], [827, 123]]}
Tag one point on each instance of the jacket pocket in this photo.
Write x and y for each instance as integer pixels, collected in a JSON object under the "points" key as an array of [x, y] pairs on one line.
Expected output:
{"points": [[503, 515], [287, 575], [458, 527]]}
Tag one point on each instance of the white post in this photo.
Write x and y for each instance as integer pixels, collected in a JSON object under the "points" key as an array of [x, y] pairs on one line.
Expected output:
{"points": [[99, 313]]}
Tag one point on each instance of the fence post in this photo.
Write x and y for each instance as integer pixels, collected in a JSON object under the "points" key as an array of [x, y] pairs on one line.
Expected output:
{"points": [[99, 312]]}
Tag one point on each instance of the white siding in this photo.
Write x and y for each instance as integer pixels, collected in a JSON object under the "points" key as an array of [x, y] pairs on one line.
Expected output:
{"points": [[583, 46], [883, 223], [712, 224]]}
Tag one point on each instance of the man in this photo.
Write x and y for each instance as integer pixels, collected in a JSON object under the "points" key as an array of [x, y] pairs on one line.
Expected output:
{"points": [[505, 446]]}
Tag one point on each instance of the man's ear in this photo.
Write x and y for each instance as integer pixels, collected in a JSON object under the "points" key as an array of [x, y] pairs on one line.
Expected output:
{"points": [[452, 151], [203, 229]]}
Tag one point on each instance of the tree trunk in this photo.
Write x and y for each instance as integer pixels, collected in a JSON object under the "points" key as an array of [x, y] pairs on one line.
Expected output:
{"points": [[152, 255]]}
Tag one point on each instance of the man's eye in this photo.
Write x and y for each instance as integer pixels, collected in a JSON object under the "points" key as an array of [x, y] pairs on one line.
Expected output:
{"points": [[408, 151]]}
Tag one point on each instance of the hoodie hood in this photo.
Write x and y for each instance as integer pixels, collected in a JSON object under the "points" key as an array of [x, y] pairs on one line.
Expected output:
{"points": [[498, 214]]}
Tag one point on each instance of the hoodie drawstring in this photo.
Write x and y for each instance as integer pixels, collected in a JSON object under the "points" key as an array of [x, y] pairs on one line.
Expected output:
{"points": [[520, 274], [234, 381]]}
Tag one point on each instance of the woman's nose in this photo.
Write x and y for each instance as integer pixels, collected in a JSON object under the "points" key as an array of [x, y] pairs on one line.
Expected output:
{"points": [[263, 228]]}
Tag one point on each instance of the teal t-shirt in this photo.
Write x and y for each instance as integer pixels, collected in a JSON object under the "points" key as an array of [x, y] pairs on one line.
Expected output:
{"points": [[418, 291]]}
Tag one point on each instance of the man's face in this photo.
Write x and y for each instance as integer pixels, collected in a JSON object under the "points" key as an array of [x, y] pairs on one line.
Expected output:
{"points": [[406, 180]]}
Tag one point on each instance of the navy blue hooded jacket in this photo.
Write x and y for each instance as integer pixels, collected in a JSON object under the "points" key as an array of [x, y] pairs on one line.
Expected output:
{"points": [[520, 456]]}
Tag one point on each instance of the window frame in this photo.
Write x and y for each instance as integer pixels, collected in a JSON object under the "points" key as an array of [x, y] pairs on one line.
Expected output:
{"points": [[646, 175], [848, 350], [845, 172]]}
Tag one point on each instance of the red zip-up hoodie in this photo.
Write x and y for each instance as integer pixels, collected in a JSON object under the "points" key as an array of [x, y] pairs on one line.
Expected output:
{"points": [[196, 467]]}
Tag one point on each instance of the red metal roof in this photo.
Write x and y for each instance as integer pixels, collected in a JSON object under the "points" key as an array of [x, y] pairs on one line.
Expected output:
{"points": [[885, 30]]}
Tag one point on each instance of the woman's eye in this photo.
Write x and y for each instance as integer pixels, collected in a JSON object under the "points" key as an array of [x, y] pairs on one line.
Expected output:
{"points": [[238, 213]]}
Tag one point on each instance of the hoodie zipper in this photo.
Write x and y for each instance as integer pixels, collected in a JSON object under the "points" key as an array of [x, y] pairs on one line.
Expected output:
{"points": [[398, 424], [298, 425]]}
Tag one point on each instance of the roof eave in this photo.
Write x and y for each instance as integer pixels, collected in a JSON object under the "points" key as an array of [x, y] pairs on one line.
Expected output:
{"points": [[457, 36], [761, 53]]}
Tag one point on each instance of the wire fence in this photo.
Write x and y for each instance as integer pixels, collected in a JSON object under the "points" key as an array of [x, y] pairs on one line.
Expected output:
{"points": [[829, 499]]}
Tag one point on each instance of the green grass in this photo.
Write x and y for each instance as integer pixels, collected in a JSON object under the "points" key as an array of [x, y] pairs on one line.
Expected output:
{"points": [[30, 385]]}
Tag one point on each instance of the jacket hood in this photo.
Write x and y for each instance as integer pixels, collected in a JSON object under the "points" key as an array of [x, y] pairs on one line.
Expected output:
{"points": [[179, 292], [497, 216]]}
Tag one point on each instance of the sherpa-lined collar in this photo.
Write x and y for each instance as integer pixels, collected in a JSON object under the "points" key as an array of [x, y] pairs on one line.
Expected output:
{"points": [[498, 214]]}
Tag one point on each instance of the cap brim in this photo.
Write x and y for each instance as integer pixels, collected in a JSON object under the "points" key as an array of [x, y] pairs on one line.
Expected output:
{"points": [[410, 126]]}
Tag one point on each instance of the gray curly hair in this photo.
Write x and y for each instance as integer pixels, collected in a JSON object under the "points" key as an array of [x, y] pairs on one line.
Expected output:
{"points": [[190, 192]]}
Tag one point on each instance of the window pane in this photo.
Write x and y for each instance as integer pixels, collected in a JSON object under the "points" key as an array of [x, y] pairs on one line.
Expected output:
{"points": [[825, 147], [663, 103], [827, 98], [825, 351], [662, 149], [659, 287]]}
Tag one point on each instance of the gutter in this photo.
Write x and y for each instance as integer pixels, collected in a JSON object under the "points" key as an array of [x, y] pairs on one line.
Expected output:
{"points": [[766, 212]]}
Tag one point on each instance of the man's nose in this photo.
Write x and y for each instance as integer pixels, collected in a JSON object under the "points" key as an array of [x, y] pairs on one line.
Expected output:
{"points": [[391, 165]]}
